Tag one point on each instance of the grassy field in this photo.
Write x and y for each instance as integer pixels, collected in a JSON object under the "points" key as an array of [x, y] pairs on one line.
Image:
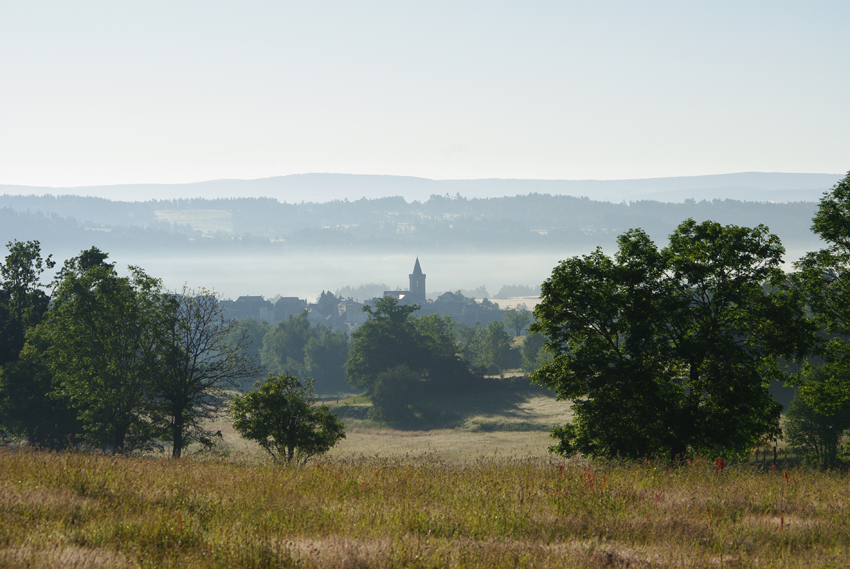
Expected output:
{"points": [[77, 510], [477, 489], [511, 420]]}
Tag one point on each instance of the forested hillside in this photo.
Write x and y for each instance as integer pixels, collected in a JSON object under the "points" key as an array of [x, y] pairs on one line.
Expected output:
{"points": [[537, 221]]}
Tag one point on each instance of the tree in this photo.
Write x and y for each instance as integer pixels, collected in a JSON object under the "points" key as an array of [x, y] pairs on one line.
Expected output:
{"points": [[517, 319], [296, 347], [670, 352], [393, 336], [25, 408], [490, 348], [30, 405], [283, 346], [281, 415], [533, 352], [248, 335], [102, 347], [22, 302], [387, 339], [817, 434], [393, 394], [824, 276], [198, 362], [324, 359]]}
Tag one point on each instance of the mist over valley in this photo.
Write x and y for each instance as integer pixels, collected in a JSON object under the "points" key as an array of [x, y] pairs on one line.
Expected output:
{"points": [[268, 246]]}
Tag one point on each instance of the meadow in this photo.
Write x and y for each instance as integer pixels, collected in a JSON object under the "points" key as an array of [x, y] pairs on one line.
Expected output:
{"points": [[478, 490], [86, 510]]}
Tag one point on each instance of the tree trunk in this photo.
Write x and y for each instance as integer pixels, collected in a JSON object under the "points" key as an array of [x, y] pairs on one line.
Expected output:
{"points": [[118, 440], [177, 436]]}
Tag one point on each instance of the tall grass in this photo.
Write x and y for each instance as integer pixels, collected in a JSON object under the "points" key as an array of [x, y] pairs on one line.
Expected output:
{"points": [[88, 511]]}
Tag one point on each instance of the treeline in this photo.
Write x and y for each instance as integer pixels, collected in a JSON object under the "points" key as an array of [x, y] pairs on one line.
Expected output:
{"points": [[296, 346], [110, 362], [450, 223], [118, 363]]}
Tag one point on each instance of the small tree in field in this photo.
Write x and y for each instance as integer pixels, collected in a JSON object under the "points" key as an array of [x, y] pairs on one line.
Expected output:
{"points": [[517, 319], [280, 414]]}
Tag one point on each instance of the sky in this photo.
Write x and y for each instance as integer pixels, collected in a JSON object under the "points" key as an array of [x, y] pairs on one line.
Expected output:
{"points": [[169, 92]]}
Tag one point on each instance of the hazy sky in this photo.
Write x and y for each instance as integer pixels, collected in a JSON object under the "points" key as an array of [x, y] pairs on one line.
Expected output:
{"points": [[127, 92]]}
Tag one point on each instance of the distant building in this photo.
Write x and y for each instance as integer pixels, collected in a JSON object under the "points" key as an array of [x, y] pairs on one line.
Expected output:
{"points": [[287, 306], [416, 293], [255, 307]]}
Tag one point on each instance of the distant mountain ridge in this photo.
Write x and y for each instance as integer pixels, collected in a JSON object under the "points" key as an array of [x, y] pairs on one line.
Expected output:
{"points": [[296, 188]]}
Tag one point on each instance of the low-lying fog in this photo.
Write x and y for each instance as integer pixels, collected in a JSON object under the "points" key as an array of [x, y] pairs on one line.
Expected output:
{"points": [[306, 275]]}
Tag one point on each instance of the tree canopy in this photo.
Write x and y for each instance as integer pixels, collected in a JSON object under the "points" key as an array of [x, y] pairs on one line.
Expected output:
{"points": [[392, 336], [824, 276], [667, 352], [297, 347]]}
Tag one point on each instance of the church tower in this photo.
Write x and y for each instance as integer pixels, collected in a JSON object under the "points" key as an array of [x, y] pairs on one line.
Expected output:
{"points": [[417, 284]]}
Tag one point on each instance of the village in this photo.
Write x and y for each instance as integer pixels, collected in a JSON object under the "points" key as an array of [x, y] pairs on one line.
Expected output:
{"points": [[346, 314]]}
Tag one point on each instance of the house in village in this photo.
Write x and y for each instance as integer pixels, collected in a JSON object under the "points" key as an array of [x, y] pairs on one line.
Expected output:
{"points": [[347, 314]]}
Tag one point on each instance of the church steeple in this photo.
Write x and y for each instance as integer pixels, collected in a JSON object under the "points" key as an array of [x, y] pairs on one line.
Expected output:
{"points": [[417, 284]]}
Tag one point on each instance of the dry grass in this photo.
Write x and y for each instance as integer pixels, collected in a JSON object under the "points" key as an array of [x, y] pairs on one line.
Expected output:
{"points": [[78, 510]]}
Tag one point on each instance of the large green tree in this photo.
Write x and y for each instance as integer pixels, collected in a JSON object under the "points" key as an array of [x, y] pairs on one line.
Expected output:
{"points": [[825, 277], [386, 340], [392, 336], [23, 301], [103, 341], [490, 349], [248, 335], [670, 352], [27, 408]]}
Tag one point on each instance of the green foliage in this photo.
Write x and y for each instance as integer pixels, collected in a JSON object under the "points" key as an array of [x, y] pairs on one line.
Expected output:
{"points": [[490, 349], [296, 347], [22, 302], [384, 341], [533, 352], [394, 392], [393, 336], [103, 340], [29, 402], [25, 408], [815, 434], [668, 352], [824, 276], [281, 415], [248, 335], [324, 359], [517, 319], [283, 346]]}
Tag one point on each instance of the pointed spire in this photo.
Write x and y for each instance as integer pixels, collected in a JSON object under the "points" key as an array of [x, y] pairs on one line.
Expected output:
{"points": [[417, 270]]}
